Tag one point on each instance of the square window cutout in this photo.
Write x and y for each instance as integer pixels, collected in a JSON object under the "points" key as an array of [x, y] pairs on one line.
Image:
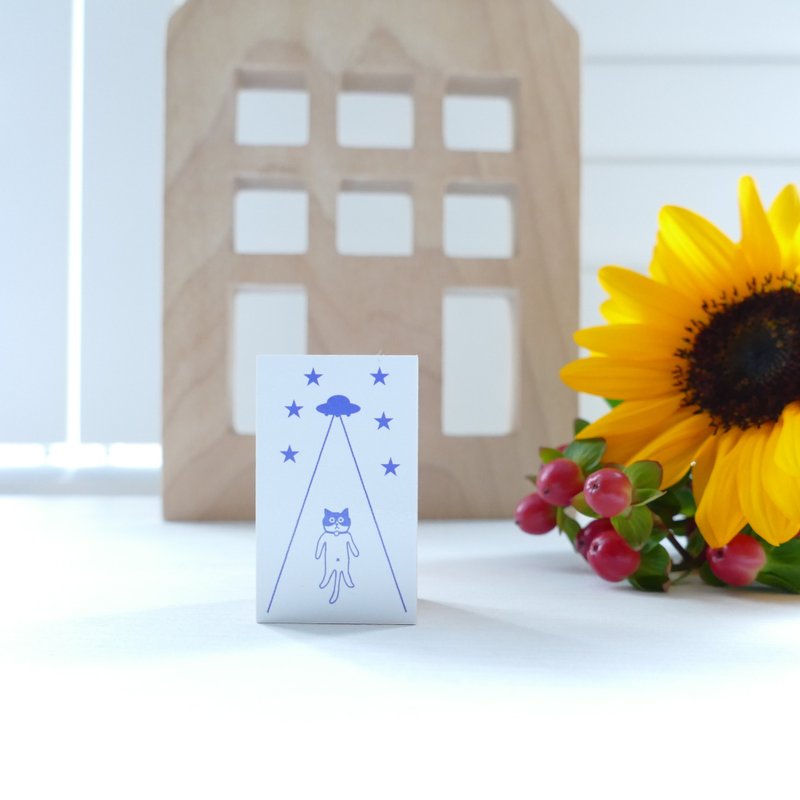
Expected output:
{"points": [[479, 337], [375, 112], [266, 320], [271, 217], [272, 109], [374, 219], [479, 221], [479, 114]]}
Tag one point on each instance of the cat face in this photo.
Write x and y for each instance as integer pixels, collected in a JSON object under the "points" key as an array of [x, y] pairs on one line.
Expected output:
{"points": [[336, 521]]}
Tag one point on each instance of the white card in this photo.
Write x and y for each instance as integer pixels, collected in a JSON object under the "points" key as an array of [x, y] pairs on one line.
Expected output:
{"points": [[336, 489]]}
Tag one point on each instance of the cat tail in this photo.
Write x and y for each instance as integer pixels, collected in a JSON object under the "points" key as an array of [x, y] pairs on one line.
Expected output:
{"points": [[336, 583]]}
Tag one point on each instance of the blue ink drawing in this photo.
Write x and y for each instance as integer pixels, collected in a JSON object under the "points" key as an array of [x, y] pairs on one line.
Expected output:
{"points": [[383, 421], [335, 547], [313, 377], [294, 409], [289, 454], [391, 468], [380, 377], [338, 406], [336, 550]]}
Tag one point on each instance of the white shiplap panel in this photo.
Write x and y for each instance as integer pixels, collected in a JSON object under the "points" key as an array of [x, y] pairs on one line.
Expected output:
{"points": [[34, 149], [620, 202], [696, 28], [125, 46], [696, 110]]}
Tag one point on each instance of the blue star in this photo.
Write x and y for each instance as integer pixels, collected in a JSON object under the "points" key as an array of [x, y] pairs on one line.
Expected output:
{"points": [[313, 377], [380, 377], [390, 467], [383, 421], [294, 409], [289, 454]]}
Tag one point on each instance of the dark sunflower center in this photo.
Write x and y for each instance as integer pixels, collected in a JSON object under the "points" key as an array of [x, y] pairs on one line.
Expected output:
{"points": [[742, 366]]}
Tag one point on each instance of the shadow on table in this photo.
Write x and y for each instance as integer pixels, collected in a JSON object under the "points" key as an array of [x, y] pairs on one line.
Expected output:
{"points": [[530, 616]]}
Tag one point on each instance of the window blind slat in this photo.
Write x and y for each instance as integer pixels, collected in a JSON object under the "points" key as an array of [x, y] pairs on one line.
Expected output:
{"points": [[124, 107], [34, 151], [709, 28]]}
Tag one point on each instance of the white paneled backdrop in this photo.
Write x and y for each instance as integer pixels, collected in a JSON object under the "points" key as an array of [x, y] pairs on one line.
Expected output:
{"points": [[680, 98]]}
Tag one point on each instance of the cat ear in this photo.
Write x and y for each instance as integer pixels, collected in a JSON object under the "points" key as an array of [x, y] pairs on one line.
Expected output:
{"points": [[346, 512], [328, 512]]}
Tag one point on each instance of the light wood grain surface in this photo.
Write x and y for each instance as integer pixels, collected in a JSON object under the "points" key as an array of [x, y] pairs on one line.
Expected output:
{"points": [[367, 304]]}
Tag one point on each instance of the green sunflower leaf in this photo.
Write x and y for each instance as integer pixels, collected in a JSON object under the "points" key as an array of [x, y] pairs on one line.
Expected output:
{"points": [[567, 525], [645, 474], [654, 541], [586, 453], [548, 454], [686, 501], [653, 572], [641, 497], [782, 569], [635, 526], [696, 543], [679, 527], [612, 403], [582, 507], [578, 425]]}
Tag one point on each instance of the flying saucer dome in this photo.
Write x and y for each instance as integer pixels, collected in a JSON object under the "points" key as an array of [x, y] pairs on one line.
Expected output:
{"points": [[338, 406]]}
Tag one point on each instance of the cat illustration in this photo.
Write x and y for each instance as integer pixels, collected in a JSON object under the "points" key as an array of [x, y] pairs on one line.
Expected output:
{"points": [[335, 547]]}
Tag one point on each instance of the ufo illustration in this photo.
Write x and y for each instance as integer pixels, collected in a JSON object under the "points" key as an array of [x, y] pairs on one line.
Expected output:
{"points": [[338, 406]]}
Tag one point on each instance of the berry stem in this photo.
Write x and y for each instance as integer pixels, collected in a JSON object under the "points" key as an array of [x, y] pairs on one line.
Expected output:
{"points": [[679, 547], [689, 562]]}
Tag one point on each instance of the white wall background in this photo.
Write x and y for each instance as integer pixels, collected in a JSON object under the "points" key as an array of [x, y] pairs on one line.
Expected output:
{"points": [[680, 99]]}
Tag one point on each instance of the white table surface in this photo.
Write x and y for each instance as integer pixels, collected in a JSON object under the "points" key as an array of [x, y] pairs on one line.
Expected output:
{"points": [[132, 667]]}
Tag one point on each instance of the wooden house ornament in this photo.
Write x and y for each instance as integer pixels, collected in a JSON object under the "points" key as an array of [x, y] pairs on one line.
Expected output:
{"points": [[521, 51]]}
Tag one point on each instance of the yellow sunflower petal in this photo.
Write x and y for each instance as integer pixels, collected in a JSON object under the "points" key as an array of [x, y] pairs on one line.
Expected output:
{"points": [[784, 214], [629, 426], [759, 244], [636, 298], [787, 452], [695, 257], [614, 314], [632, 417], [620, 378], [719, 515], [764, 516], [796, 247], [704, 463], [784, 217], [784, 489], [676, 447], [629, 341]]}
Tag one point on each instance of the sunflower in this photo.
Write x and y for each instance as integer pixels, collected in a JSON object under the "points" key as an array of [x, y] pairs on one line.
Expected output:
{"points": [[704, 355]]}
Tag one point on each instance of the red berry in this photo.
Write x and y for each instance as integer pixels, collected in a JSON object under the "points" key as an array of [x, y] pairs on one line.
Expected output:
{"points": [[535, 515], [611, 557], [559, 481], [588, 534], [608, 492], [738, 563]]}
